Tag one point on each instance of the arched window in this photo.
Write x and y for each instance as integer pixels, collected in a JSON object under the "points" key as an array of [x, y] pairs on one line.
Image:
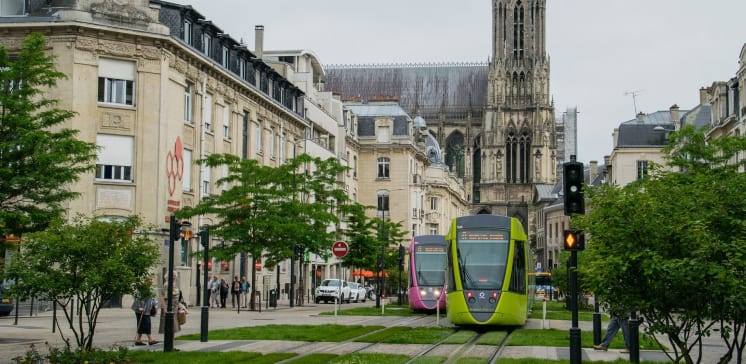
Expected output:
{"points": [[382, 203], [383, 167], [518, 157]]}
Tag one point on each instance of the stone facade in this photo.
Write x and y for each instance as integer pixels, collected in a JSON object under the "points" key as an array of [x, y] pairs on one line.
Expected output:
{"points": [[156, 103]]}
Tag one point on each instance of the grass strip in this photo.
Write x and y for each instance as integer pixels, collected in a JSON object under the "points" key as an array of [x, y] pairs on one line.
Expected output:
{"points": [[460, 337], [408, 335], [372, 311], [198, 357], [492, 338], [314, 333]]}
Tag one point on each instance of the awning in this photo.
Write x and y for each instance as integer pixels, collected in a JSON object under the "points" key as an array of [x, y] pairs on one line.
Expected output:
{"points": [[365, 273]]}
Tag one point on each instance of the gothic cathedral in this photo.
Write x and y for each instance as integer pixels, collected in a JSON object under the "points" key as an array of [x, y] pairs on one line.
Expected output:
{"points": [[495, 121]]}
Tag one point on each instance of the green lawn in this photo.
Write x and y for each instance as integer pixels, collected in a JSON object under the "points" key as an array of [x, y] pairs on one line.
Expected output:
{"points": [[554, 337], [408, 335], [331, 333], [197, 357], [389, 310], [556, 311]]}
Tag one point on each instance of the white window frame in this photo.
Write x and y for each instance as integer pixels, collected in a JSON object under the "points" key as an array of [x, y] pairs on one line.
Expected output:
{"points": [[258, 136], [433, 203], [226, 56], [206, 44], [226, 123], [114, 158], [116, 81], [188, 29], [207, 122], [433, 229], [384, 134], [384, 168], [206, 181], [186, 177], [271, 140], [188, 103], [12, 8]]}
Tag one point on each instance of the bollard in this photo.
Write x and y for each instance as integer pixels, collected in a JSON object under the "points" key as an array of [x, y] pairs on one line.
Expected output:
{"points": [[596, 323], [634, 339]]}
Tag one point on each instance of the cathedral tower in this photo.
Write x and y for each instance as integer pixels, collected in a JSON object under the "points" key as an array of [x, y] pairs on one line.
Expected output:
{"points": [[516, 148]]}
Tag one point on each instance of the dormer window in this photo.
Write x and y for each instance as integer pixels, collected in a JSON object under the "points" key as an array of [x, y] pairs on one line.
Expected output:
{"points": [[12, 7], [206, 44]]}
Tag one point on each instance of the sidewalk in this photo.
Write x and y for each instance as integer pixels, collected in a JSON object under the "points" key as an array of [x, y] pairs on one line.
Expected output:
{"points": [[117, 327]]}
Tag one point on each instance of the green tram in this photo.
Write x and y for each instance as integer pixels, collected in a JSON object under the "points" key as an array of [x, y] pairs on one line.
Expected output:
{"points": [[489, 271]]}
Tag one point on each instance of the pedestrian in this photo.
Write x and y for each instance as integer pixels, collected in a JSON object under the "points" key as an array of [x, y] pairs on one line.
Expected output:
{"points": [[224, 289], [245, 291], [145, 306], [235, 292], [177, 298], [617, 321], [215, 292]]}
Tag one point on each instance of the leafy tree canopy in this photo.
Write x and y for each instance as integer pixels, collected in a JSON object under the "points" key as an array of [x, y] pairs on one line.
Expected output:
{"points": [[38, 157], [79, 265], [672, 245]]}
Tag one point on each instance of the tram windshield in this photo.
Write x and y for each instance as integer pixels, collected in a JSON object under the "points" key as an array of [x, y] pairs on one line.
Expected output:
{"points": [[482, 257], [430, 263]]}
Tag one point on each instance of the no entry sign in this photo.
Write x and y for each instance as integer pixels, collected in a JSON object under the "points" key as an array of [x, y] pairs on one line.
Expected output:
{"points": [[340, 249]]}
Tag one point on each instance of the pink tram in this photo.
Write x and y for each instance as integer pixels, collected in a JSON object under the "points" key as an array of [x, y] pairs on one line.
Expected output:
{"points": [[427, 264]]}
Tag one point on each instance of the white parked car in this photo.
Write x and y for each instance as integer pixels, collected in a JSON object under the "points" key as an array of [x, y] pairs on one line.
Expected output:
{"points": [[329, 290], [357, 292]]}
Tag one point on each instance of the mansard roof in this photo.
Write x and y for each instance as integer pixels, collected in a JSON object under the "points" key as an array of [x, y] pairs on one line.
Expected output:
{"points": [[640, 132], [454, 88]]}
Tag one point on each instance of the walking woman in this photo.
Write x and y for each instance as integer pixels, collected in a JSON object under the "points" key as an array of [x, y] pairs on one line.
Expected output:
{"points": [[177, 297], [144, 305]]}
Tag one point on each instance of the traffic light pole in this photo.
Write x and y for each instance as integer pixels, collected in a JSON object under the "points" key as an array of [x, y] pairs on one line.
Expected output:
{"points": [[575, 352], [168, 330], [204, 237]]}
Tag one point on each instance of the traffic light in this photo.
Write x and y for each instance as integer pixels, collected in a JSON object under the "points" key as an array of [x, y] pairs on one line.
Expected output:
{"points": [[204, 236], [574, 240], [574, 201]]}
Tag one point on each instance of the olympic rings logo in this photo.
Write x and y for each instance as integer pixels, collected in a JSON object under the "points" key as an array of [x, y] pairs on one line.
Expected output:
{"points": [[174, 166]]}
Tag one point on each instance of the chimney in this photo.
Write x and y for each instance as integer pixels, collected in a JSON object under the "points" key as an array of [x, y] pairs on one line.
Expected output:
{"points": [[674, 110], [704, 95], [259, 41], [593, 173], [640, 116]]}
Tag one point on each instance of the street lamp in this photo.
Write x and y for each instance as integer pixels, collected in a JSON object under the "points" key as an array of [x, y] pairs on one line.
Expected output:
{"points": [[384, 242], [297, 250]]}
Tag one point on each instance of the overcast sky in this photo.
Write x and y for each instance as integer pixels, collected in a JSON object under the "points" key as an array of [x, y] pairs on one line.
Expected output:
{"points": [[601, 51]]}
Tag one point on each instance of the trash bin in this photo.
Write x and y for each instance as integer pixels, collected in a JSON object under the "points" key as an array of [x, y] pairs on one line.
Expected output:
{"points": [[272, 298]]}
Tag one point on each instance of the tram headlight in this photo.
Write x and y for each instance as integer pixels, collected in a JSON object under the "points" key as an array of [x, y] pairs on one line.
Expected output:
{"points": [[423, 292], [436, 293]]}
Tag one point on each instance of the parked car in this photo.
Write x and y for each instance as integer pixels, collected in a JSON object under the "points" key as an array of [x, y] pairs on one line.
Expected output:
{"points": [[6, 303], [329, 290], [357, 292]]}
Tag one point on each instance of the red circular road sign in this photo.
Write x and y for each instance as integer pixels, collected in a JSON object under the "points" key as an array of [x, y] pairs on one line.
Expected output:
{"points": [[340, 249]]}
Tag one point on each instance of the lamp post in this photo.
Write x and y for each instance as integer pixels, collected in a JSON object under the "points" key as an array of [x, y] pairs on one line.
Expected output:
{"points": [[381, 258], [297, 250], [204, 238]]}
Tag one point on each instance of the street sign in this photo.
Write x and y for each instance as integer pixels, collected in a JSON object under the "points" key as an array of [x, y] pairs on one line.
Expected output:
{"points": [[340, 249]]}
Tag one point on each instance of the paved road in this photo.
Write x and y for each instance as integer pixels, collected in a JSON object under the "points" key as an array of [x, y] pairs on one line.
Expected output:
{"points": [[116, 327]]}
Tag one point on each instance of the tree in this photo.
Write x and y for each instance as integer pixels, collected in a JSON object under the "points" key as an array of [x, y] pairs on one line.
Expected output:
{"points": [[78, 265], [267, 211], [675, 242], [362, 240], [38, 158], [36, 163]]}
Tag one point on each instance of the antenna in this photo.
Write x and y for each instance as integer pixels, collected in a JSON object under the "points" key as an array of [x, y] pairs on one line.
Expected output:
{"points": [[634, 97]]}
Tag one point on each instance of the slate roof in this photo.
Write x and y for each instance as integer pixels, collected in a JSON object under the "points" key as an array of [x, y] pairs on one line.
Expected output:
{"points": [[641, 133], [455, 88], [700, 116]]}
